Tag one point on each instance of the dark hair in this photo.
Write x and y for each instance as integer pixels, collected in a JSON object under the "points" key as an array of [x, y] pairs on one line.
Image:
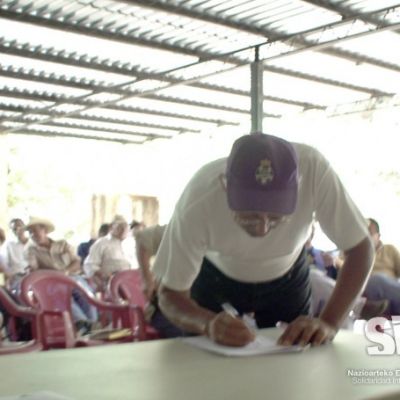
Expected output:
{"points": [[104, 229], [134, 224], [15, 220], [375, 224]]}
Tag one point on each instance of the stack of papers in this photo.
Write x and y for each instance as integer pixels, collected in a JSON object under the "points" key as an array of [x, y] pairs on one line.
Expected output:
{"points": [[261, 345]]}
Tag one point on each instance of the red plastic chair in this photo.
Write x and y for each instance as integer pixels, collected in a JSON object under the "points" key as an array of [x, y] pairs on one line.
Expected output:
{"points": [[126, 286], [50, 292], [16, 310]]}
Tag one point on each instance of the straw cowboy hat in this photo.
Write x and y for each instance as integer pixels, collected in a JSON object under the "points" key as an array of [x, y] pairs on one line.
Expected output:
{"points": [[40, 221]]}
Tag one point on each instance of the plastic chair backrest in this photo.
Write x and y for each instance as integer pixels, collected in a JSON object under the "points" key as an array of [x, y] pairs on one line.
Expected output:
{"points": [[52, 290], [127, 285], [51, 293]]}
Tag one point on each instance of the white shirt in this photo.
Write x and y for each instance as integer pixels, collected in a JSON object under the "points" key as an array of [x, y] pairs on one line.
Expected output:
{"points": [[203, 225], [129, 249], [14, 257], [106, 255], [3, 257]]}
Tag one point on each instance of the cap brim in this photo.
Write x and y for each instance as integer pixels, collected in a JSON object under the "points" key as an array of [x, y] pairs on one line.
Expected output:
{"points": [[272, 201]]}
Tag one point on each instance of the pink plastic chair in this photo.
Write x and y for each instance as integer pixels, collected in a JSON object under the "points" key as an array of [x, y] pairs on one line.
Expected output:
{"points": [[126, 286], [50, 292], [16, 310]]}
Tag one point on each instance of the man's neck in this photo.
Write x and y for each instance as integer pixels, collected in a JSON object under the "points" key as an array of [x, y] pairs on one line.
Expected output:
{"points": [[46, 244], [116, 238], [22, 239]]}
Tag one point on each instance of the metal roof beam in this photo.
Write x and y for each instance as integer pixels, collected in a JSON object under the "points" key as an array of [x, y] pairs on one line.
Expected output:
{"points": [[94, 85], [314, 46], [67, 124], [194, 103], [325, 81], [25, 95], [239, 92], [363, 106], [200, 85], [54, 79], [346, 12], [181, 9], [54, 134], [272, 35], [54, 114], [189, 12], [92, 32], [82, 61], [24, 52]]}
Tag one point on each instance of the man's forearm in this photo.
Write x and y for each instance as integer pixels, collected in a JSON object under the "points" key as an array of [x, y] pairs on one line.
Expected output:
{"points": [[74, 267], [143, 258], [354, 273], [183, 312]]}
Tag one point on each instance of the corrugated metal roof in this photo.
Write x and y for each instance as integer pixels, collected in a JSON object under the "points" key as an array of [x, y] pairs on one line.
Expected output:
{"points": [[136, 70]]}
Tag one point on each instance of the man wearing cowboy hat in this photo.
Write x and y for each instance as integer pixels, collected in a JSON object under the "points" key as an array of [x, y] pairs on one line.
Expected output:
{"points": [[46, 253]]}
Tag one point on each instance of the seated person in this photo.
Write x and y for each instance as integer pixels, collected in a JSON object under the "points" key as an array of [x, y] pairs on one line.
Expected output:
{"points": [[106, 256], [325, 261], [387, 257], [14, 253], [147, 243], [322, 286], [3, 267], [384, 280], [83, 248], [42, 252]]}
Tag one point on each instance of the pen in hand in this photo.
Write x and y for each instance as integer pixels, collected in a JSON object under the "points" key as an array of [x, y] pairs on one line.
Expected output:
{"points": [[249, 321], [229, 329], [281, 324]]}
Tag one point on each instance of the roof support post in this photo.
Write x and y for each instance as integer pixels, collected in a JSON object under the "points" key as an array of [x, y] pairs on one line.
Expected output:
{"points": [[256, 93]]}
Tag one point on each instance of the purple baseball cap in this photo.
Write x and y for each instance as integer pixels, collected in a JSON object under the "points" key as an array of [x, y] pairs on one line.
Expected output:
{"points": [[262, 175]]}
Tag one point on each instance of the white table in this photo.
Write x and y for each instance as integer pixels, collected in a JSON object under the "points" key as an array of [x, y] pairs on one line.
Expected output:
{"points": [[171, 370]]}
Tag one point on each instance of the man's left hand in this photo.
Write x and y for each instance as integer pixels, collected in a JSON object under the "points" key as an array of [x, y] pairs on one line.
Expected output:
{"points": [[306, 330]]}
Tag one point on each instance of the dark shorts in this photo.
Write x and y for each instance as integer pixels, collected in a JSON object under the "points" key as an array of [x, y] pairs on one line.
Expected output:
{"points": [[282, 299]]}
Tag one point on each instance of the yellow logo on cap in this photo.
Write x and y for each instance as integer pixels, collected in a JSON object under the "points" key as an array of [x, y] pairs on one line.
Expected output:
{"points": [[264, 172]]}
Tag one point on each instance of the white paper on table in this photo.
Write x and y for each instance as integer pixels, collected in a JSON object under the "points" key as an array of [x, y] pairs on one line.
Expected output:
{"points": [[261, 345], [36, 396]]}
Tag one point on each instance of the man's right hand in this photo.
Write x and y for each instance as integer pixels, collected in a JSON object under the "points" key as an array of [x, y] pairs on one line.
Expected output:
{"points": [[229, 331]]}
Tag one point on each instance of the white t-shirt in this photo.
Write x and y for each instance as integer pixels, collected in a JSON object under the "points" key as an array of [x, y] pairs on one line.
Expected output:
{"points": [[203, 226]]}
